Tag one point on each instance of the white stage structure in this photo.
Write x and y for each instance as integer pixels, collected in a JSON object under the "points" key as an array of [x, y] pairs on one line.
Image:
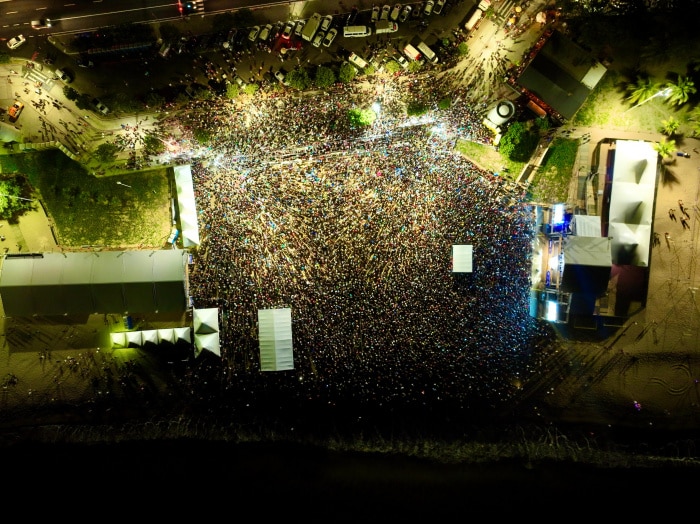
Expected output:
{"points": [[462, 258], [275, 339], [187, 209]]}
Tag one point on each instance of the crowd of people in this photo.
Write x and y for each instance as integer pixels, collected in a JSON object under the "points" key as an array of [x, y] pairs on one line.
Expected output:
{"points": [[353, 230]]}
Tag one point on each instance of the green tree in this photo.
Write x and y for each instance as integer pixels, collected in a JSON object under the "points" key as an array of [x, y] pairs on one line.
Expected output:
{"points": [[4, 58], [203, 93], [670, 126], [518, 142], [325, 77], [361, 117], [298, 78], [463, 49], [202, 136], [680, 90], [251, 89], [106, 152], [694, 119], [445, 103], [70, 93], [223, 22], [414, 66], [416, 108], [665, 148], [232, 91], [642, 89], [392, 66], [12, 201], [347, 73], [153, 145], [169, 32], [155, 100]]}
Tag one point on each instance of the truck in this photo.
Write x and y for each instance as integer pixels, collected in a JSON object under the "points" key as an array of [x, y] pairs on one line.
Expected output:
{"points": [[311, 27], [385, 26]]}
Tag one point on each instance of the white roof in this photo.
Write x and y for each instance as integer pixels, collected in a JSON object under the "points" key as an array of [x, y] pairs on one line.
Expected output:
{"points": [[275, 339]]}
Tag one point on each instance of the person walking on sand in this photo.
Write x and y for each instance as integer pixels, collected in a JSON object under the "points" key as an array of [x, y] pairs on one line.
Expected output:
{"points": [[672, 214]]}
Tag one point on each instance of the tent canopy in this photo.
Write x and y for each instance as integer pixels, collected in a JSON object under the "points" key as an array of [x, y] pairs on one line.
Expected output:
{"points": [[462, 258], [275, 339], [187, 209], [206, 320]]}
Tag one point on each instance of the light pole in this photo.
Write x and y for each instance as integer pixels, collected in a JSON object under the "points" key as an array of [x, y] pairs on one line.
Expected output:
{"points": [[125, 185], [664, 92]]}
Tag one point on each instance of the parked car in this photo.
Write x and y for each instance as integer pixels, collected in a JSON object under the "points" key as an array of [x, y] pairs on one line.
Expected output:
{"points": [[439, 4], [265, 33], [395, 12], [64, 76], [288, 31], [330, 37], [318, 38], [405, 13], [41, 23], [402, 60], [280, 76], [299, 27], [428, 8], [352, 16], [16, 41], [326, 23], [254, 32], [15, 110], [375, 13], [241, 83], [385, 12], [99, 106]]}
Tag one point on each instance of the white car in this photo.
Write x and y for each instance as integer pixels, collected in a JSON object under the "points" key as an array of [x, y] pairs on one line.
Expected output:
{"points": [[265, 32], [402, 60], [100, 106], [375, 13], [395, 12], [319, 38], [15, 42], [299, 27], [64, 76], [288, 30], [253, 35], [438, 6], [42, 23], [385, 12], [280, 76], [428, 8], [330, 37], [326, 23]]}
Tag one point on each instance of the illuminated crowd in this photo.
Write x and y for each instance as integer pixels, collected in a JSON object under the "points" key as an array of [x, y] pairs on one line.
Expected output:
{"points": [[353, 230]]}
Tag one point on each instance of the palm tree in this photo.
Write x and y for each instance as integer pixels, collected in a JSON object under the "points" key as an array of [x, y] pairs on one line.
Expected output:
{"points": [[694, 119], [642, 89], [665, 148], [680, 90], [670, 126]]}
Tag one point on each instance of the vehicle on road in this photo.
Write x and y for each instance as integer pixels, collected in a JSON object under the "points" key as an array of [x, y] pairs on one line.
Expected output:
{"points": [[386, 26], [299, 27], [356, 31], [15, 110], [439, 4], [326, 23], [375, 13], [395, 12], [330, 37], [403, 62], [405, 13], [16, 41], [287, 31], [318, 39], [190, 6], [350, 20], [385, 12], [41, 23], [254, 32], [64, 76], [99, 106], [357, 61], [428, 8], [281, 77], [265, 32], [311, 26]]}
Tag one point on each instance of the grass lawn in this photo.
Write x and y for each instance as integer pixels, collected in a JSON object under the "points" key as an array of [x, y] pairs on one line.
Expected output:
{"points": [[95, 211]]}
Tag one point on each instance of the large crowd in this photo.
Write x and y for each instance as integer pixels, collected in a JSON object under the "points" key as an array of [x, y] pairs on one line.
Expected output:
{"points": [[353, 230]]}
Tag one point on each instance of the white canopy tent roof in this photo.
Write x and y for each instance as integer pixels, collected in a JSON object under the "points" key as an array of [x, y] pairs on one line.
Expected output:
{"points": [[275, 339], [133, 339], [166, 335], [206, 341], [119, 340], [462, 258], [182, 334], [206, 320], [186, 204], [149, 336]]}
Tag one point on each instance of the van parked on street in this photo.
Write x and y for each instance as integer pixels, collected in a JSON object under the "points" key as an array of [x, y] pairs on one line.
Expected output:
{"points": [[356, 31]]}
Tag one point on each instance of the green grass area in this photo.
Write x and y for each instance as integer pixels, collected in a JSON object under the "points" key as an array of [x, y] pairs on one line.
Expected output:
{"points": [[487, 158], [551, 181], [88, 210]]}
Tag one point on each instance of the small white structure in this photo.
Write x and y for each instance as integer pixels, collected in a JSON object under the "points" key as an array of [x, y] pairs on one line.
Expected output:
{"points": [[119, 340], [275, 339], [206, 331], [149, 336], [461, 258]]}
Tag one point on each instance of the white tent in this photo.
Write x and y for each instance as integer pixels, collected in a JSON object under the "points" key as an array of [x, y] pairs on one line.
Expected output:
{"points": [[183, 334], [206, 341], [119, 340], [275, 339], [166, 335], [206, 320], [462, 258], [149, 336], [187, 208], [133, 339]]}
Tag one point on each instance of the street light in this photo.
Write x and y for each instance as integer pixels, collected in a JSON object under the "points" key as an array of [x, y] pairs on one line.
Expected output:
{"points": [[666, 92], [122, 184]]}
